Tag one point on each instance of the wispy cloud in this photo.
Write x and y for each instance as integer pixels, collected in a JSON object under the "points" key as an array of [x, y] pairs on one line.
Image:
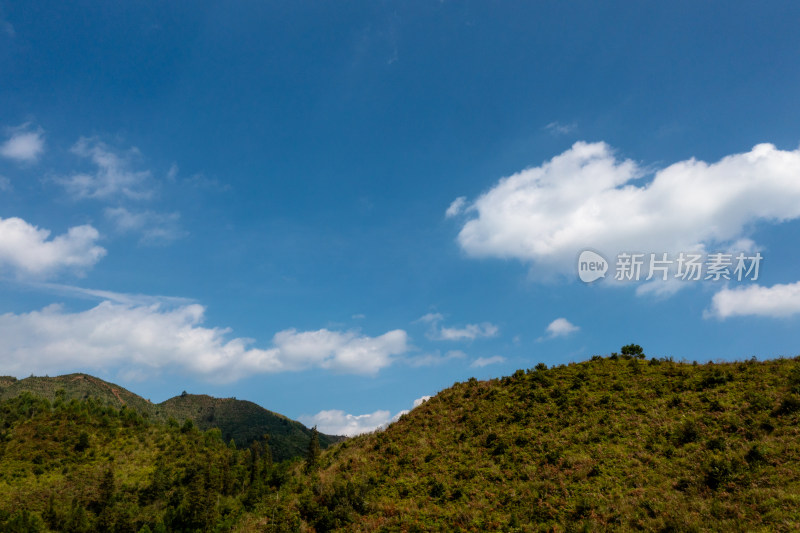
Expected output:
{"points": [[6, 27], [154, 228], [435, 358], [481, 362], [557, 128], [113, 175], [127, 299], [25, 143], [456, 207], [468, 332]]}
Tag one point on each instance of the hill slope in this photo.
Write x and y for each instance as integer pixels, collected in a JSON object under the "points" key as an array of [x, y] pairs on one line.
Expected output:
{"points": [[240, 420], [74, 386], [245, 422], [617, 443], [610, 444]]}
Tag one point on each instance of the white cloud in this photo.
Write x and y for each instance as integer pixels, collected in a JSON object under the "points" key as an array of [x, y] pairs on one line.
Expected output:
{"points": [[435, 358], [155, 228], [340, 351], [338, 422], [5, 184], [172, 173], [155, 337], [430, 318], [587, 198], [481, 362], [456, 207], [556, 128], [113, 176], [420, 401], [782, 300], [127, 299], [27, 250], [26, 144], [468, 332], [561, 327]]}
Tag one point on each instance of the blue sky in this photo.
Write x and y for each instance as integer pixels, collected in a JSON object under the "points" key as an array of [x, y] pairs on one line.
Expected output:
{"points": [[335, 209]]}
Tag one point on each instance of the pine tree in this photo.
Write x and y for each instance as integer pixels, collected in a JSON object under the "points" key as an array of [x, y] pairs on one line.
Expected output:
{"points": [[78, 521], [106, 488], [255, 455], [312, 456], [266, 457]]}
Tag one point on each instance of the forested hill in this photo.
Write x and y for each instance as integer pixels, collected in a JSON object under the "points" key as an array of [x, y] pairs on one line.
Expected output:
{"points": [[240, 420], [616, 443], [245, 422]]}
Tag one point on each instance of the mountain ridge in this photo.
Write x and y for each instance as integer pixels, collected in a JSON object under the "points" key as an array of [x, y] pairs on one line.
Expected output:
{"points": [[241, 420]]}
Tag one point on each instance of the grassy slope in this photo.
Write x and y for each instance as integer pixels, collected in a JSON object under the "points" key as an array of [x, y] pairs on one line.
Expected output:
{"points": [[609, 444], [240, 420]]}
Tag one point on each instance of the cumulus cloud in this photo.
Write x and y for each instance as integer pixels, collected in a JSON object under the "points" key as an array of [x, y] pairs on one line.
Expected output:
{"points": [[113, 175], [468, 332], [560, 327], [481, 362], [340, 351], [778, 301], [25, 144], [27, 250], [338, 422], [588, 198], [154, 228], [151, 338]]}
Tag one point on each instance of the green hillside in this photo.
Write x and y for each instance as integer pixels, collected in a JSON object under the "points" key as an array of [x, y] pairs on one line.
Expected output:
{"points": [[75, 386], [240, 420], [85, 466], [619, 443], [615, 443], [244, 422]]}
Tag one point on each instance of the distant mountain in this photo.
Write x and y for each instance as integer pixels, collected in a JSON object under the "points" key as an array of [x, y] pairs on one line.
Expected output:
{"points": [[239, 420], [244, 422], [77, 386]]}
